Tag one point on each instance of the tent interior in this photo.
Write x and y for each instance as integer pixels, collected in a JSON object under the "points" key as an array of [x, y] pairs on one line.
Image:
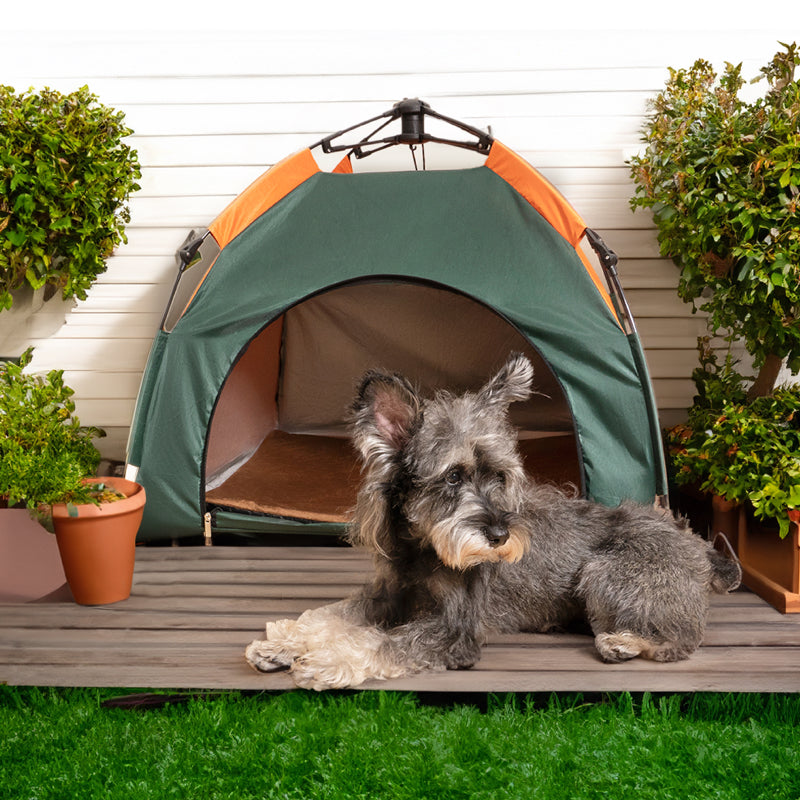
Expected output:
{"points": [[278, 441]]}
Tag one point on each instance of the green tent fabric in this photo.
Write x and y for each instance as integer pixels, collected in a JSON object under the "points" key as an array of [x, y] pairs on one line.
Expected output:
{"points": [[466, 232]]}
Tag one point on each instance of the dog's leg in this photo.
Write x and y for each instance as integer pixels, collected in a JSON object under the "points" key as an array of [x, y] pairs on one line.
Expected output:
{"points": [[287, 639], [327, 648], [436, 643]]}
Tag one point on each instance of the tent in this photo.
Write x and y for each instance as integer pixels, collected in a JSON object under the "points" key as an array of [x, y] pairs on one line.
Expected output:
{"points": [[311, 277]]}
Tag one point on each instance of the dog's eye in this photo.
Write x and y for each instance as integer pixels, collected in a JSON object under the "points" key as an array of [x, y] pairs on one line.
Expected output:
{"points": [[501, 478], [453, 477]]}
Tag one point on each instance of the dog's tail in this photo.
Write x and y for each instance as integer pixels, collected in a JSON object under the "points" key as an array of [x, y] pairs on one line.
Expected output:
{"points": [[726, 571]]}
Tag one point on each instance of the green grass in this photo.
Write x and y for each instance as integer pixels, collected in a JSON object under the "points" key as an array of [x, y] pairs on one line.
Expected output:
{"points": [[64, 743]]}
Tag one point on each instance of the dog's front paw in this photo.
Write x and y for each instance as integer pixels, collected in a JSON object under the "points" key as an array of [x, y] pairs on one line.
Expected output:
{"points": [[262, 656], [464, 653], [278, 650], [315, 671], [459, 663], [614, 648]]}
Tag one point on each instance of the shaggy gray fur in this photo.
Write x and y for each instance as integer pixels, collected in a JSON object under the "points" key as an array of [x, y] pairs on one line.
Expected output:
{"points": [[465, 544]]}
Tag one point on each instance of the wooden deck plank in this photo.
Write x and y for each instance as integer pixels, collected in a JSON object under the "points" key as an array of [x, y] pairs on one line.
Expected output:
{"points": [[254, 578], [193, 610], [15, 637], [495, 658]]}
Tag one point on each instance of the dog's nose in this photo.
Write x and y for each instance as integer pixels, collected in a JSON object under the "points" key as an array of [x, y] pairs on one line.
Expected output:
{"points": [[495, 535]]}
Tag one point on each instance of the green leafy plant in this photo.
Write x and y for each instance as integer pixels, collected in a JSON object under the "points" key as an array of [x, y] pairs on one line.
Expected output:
{"points": [[722, 177], [45, 453], [65, 177], [740, 449]]}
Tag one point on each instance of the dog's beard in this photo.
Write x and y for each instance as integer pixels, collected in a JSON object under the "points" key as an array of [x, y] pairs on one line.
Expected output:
{"points": [[460, 542]]}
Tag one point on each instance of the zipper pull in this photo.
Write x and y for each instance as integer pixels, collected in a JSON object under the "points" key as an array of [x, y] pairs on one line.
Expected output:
{"points": [[207, 528]]}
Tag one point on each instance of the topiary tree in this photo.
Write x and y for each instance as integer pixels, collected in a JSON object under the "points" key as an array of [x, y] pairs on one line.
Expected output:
{"points": [[65, 177], [722, 177]]}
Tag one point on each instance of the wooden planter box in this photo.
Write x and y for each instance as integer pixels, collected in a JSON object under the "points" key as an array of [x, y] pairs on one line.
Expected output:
{"points": [[770, 565]]}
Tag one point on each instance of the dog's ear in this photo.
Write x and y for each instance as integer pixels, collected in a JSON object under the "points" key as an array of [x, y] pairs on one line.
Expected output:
{"points": [[511, 383], [384, 411], [383, 417]]}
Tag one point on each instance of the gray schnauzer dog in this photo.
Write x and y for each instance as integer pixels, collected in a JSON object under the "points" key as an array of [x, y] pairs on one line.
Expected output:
{"points": [[465, 544]]}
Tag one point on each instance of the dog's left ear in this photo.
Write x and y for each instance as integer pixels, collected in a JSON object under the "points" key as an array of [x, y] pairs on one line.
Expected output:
{"points": [[385, 408], [513, 382]]}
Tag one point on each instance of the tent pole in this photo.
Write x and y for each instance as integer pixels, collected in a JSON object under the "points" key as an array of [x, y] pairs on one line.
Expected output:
{"points": [[609, 260]]}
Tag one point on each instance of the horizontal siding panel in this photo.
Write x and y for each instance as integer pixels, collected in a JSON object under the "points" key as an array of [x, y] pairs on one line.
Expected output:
{"points": [[104, 385], [105, 412], [143, 241], [330, 88], [648, 273], [184, 182], [630, 243], [260, 149], [88, 325], [670, 363], [124, 298], [657, 303], [674, 393], [617, 110], [97, 354], [170, 212], [664, 333], [124, 268], [241, 54]]}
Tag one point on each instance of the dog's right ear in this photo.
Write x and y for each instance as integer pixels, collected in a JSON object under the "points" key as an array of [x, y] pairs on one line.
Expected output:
{"points": [[384, 412], [511, 383]]}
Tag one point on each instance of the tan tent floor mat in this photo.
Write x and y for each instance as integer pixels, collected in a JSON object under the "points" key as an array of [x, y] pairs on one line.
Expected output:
{"points": [[316, 478], [295, 475]]}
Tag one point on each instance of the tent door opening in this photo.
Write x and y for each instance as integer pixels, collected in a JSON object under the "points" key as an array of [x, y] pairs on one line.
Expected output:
{"points": [[278, 444]]}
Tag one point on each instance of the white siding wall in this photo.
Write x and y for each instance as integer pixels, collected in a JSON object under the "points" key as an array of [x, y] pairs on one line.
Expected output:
{"points": [[211, 112]]}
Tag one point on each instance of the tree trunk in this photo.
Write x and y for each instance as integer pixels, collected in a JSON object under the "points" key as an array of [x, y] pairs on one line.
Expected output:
{"points": [[766, 378]]}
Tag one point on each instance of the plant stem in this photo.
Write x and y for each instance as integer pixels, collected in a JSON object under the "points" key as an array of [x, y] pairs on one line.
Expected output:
{"points": [[766, 378]]}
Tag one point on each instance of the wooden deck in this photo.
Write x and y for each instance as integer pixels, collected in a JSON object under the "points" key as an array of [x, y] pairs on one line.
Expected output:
{"points": [[193, 609]]}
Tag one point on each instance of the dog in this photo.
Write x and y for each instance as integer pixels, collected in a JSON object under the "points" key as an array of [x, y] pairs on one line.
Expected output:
{"points": [[466, 544]]}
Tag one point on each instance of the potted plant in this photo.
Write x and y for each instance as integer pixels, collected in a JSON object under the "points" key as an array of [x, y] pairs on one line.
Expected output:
{"points": [[722, 177], [46, 462], [746, 455], [66, 174]]}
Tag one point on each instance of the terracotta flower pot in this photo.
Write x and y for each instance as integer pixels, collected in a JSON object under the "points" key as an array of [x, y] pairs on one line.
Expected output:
{"points": [[98, 546], [725, 519]]}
